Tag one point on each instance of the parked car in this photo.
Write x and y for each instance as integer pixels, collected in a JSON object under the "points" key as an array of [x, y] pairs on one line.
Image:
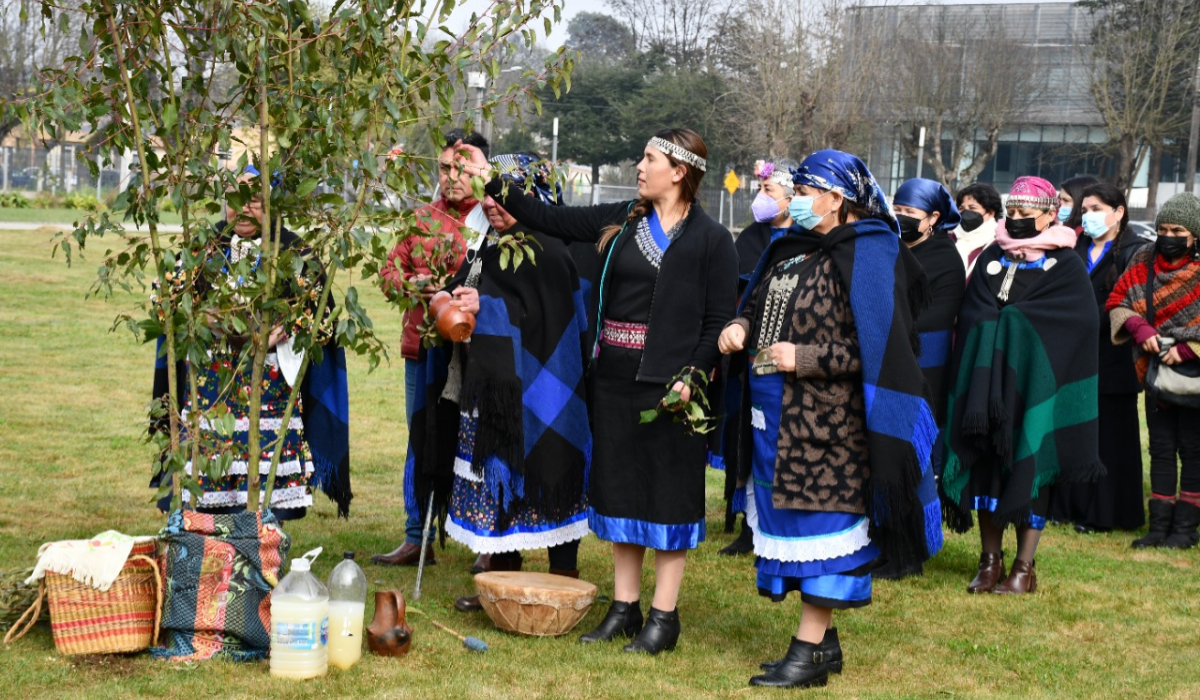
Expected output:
{"points": [[1144, 230], [23, 179]]}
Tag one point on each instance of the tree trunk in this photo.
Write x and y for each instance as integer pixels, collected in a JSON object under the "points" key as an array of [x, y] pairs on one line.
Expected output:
{"points": [[982, 158], [1125, 159], [1155, 176]]}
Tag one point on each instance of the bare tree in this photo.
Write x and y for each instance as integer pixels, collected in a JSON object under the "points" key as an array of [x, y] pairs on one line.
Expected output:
{"points": [[963, 85], [791, 73], [1142, 56], [681, 29], [765, 63]]}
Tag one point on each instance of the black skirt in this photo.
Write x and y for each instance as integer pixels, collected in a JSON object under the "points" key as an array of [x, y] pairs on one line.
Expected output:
{"points": [[647, 479], [1114, 501]]}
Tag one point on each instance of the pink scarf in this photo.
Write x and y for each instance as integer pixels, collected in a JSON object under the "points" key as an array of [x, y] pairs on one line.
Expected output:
{"points": [[1033, 249]]}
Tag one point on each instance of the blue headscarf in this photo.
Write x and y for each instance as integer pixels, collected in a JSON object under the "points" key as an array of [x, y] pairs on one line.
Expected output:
{"points": [[846, 174], [929, 196], [515, 167], [253, 171]]}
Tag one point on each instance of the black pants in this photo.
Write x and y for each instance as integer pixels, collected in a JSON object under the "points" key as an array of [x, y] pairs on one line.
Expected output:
{"points": [[1174, 431]]}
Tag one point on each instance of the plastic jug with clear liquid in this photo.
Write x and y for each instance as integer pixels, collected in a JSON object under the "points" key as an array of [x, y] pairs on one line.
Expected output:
{"points": [[300, 622], [347, 605]]}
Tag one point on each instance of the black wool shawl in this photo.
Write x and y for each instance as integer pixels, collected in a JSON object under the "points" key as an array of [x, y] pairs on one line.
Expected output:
{"points": [[1023, 398], [522, 374], [902, 505]]}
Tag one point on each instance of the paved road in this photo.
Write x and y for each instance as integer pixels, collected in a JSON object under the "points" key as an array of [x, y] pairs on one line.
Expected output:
{"points": [[67, 226]]}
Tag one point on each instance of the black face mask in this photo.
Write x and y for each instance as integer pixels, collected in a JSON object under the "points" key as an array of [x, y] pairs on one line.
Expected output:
{"points": [[1171, 247], [910, 228], [971, 220], [1021, 228]]}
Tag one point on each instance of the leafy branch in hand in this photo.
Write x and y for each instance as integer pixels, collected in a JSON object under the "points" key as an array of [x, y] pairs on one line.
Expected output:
{"points": [[695, 413]]}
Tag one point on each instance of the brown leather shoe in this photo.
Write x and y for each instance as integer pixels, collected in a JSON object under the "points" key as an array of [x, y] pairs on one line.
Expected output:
{"points": [[468, 603], [407, 554], [991, 572], [483, 563], [1021, 579], [569, 573], [504, 561]]}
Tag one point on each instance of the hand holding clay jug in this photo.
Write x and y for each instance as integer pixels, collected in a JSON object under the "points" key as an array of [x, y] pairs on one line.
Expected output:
{"points": [[452, 323], [388, 634]]}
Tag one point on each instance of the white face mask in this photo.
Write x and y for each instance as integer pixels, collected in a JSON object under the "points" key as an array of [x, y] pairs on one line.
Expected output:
{"points": [[1095, 223], [801, 211]]}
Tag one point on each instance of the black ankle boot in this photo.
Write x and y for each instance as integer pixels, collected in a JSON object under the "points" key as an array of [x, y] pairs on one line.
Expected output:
{"points": [[1183, 527], [1162, 512], [624, 619], [803, 667], [743, 544], [830, 647], [661, 632]]}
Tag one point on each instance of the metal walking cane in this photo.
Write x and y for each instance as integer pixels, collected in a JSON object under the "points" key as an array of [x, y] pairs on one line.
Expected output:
{"points": [[424, 548]]}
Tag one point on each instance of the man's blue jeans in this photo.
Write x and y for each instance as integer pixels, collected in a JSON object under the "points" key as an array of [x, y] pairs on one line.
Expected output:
{"points": [[413, 522]]}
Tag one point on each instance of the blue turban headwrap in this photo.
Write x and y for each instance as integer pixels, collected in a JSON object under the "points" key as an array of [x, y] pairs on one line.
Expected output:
{"points": [[847, 175], [253, 171], [929, 196], [516, 167]]}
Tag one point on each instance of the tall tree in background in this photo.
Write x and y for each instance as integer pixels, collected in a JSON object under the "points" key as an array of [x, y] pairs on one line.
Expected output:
{"points": [[763, 56], [600, 38], [681, 29], [795, 84], [1143, 55], [24, 52], [963, 85], [592, 129]]}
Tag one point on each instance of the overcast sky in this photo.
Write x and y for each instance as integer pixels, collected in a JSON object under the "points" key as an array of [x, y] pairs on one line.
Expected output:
{"points": [[574, 7]]}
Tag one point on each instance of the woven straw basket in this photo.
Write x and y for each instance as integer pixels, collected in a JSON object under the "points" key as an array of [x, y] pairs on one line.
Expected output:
{"points": [[125, 618]]}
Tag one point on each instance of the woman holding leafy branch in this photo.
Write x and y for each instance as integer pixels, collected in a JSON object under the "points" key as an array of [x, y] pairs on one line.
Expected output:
{"points": [[668, 284], [836, 430]]}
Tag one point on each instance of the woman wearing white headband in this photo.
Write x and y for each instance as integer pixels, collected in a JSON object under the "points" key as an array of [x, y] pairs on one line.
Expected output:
{"points": [[667, 286]]}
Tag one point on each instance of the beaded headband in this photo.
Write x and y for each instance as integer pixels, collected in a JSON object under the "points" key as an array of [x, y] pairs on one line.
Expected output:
{"points": [[679, 152], [767, 171], [1028, 201]]}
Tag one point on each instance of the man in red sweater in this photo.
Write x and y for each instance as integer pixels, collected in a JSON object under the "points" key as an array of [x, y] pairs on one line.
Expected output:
{"points": [[429, 260]]}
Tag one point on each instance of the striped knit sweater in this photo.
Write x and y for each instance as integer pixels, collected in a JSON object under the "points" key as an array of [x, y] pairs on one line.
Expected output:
{"points": [[1176, 301]]}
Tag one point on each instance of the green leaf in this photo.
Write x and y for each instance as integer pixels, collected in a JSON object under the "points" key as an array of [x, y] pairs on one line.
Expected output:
{"points": [[649, 416], [170, 116], [306, 187]]}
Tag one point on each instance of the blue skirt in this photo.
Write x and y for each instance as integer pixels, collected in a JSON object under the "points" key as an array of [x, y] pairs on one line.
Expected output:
{"points": [[826, 556], [486, 512]]}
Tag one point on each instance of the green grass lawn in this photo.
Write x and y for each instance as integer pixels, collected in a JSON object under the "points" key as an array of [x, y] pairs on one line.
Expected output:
{"points": [[1106, 622], [64, 216]]}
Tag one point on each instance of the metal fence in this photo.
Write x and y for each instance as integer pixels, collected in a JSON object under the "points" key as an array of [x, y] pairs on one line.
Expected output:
{"points": [[57, 170], [733, 211]]}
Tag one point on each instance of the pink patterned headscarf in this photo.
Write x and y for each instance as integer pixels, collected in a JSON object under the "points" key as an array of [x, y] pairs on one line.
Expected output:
{"points": [[1030, 192]]}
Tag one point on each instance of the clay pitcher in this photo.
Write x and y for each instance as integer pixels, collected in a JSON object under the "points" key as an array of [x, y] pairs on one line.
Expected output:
{"points": [[388, 634], [452, 323]]}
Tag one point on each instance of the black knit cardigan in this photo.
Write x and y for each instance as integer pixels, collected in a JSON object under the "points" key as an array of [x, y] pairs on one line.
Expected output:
{"points": [[696, 292]]}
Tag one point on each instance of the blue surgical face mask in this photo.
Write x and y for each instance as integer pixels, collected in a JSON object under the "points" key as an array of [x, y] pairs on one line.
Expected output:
{"points": [[1064, 213], [1095, 223], [801, 211]]}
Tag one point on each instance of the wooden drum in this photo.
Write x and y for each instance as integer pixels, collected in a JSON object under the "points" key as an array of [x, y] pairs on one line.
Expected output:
{"points": [[535, 604]]}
